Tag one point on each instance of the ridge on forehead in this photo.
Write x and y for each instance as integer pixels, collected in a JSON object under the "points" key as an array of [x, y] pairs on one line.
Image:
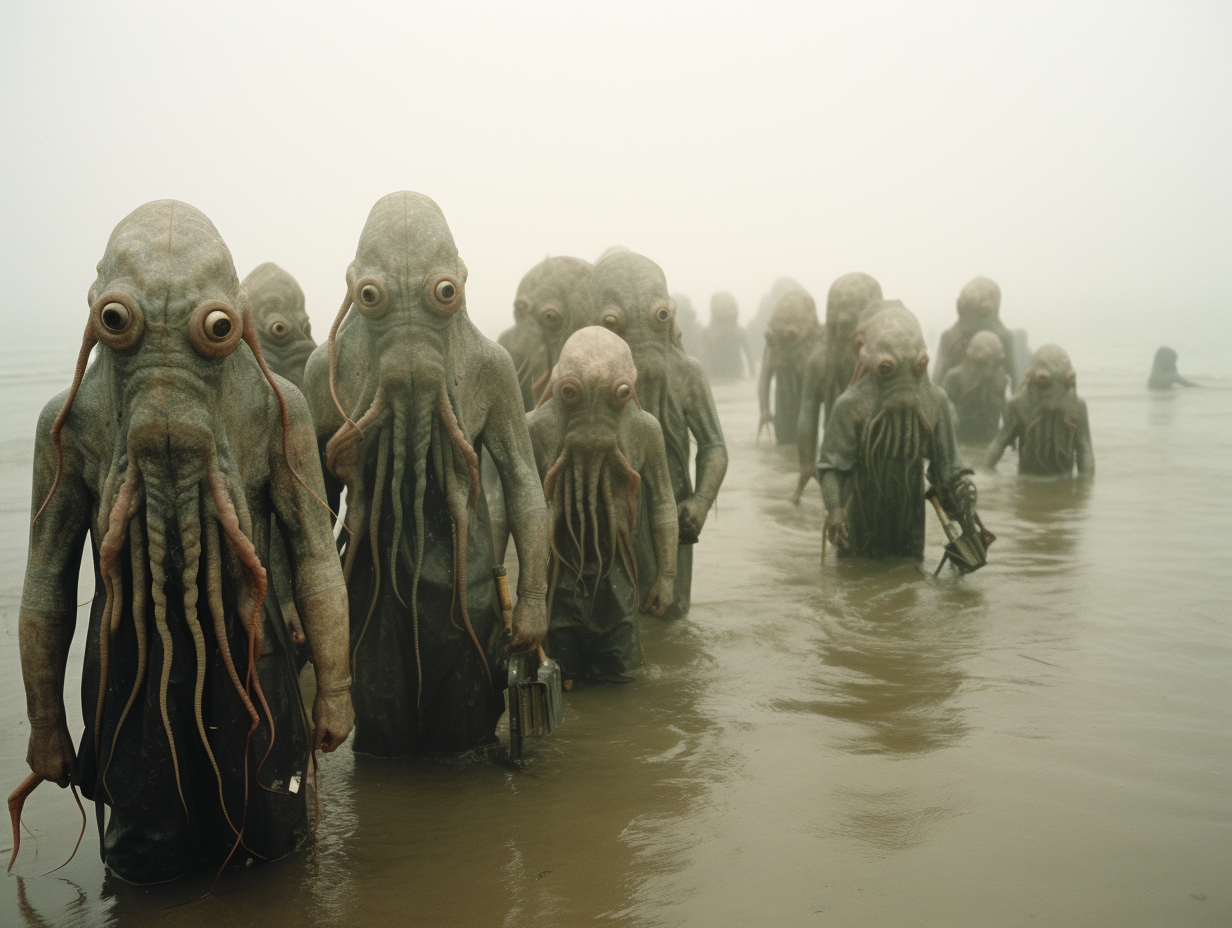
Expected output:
{"points": [[147, 242], [892, 324], [1052, 357], [627, 270], [594, 352], [269, 284], [854, 288], [410, 221]]}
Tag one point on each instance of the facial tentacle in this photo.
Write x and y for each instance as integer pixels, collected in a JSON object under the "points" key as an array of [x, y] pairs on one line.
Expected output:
{"points": [[88, 341], [383, 453]]}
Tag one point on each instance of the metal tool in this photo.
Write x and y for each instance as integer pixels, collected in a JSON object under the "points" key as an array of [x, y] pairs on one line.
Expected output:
{"points": [[535, 694], [968, 545]]}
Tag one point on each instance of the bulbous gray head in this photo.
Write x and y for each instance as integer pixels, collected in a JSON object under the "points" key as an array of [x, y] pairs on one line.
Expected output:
{"points": [[986, 348], [1165, 361], [979, 302], [1050, 377], [848, 295], [629, 294], [793, 320], [282, 323], [556, 294], [684, 308], [892, 351], [723, 309], [594, 380], [409, 285]]}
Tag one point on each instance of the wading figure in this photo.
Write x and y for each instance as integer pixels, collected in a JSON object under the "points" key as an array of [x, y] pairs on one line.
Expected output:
{"points": [[792, 336], [725, 349], [404, 396], [830, 367], [979, 310], [173, 451], [595, 447], [1048, 421], [556, 295], [525, 347], [688, 329], [1164, 375], [880, 433], [283, 327], [977, 389], [630, 294]]}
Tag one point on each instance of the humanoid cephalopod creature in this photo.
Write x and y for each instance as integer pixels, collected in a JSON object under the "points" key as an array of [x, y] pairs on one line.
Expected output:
{"points": [[630, 296], [977, 388], [555, 294], [599, 453], [283, 327], [176, 451], [1164, 375], [792, 335], [979, 310], [405, 395], [830, 367], [1048, 420], [724, 345], [882, 430]]}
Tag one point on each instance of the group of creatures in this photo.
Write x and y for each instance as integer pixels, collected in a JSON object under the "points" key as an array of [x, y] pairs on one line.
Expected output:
{"points": [[204, 446], [206, 440]]}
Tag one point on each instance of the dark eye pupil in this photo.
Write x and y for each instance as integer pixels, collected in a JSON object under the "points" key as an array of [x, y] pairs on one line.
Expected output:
{"points": [[221, 327], [446, 291], [369, 294], [113, 319]]}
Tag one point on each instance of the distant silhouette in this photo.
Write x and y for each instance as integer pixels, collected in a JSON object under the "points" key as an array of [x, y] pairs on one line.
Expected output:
{"points": [[1163, 373]]}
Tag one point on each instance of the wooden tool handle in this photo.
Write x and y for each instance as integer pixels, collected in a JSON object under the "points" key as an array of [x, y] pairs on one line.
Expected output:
{"points": [[502, 596]]}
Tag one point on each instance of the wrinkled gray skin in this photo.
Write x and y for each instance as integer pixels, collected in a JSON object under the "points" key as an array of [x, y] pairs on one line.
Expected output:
{"points": [[1048, 420], [630, 296], [1164, 375], [725, 347], [830, 367], [594, 446], [688, 329], [793, 334], [282, 324], [556, 295], [406, 389], [880, 432], [174, 451], [525, 347], [979, 310], [977, 389]]}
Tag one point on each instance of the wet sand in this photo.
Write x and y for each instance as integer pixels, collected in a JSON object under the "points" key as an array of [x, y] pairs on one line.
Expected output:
{"points": [[1045, 742]]}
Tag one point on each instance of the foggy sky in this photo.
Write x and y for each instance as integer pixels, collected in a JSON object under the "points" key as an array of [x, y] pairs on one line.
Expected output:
{"points": [[1079, 155]]}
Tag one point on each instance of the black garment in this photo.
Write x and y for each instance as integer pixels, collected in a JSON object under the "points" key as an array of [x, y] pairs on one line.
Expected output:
{"points": [[459, 706], [593, 629], [150, 835]]}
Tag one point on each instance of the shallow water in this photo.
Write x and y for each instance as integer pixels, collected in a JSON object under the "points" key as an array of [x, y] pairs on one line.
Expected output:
{"points": [[1047, 741]]}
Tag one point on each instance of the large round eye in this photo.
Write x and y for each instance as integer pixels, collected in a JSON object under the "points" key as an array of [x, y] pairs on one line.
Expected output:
{"points": [[370, 297], [215, 329], [621, 391], [885, 367], [661, 315], [1042, 378], [444, 295], [550, 316], [920, 363], [570, 390], [612, 318], [279, 329], [118, 322]]}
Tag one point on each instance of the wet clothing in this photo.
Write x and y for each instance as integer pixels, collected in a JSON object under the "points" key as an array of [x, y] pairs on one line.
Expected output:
{"points": [[458, 706], [1050, 442], [883, 480], [150, 835], [955, 340], [593, 629]]}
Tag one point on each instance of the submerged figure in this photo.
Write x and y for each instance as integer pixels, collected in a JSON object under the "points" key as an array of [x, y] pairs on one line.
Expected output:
{"points": [[725, 347], [630, 294], [405, 395], [979, 310], [830, 367], [1164, 375], [1048, 421], [282, 323], [175, 451], [977, 389], [525, 346], [880, 433], [793, 334], [687, 326], [595, 448]]}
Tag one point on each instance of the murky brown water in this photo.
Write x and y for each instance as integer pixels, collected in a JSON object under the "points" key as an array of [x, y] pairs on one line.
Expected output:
{"points": [[1047, 742]]}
